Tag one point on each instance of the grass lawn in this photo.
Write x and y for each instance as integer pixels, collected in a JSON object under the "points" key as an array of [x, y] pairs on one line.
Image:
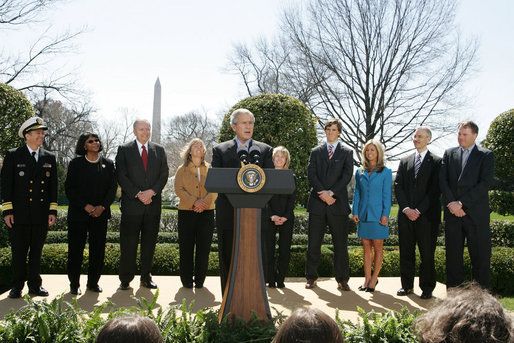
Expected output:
{"points": [[507, 302]]}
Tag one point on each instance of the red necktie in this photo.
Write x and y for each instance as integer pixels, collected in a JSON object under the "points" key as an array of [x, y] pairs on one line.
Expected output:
{"points": [[144, 156], [330, 152]]}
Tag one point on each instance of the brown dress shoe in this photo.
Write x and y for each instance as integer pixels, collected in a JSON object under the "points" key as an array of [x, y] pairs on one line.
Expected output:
{"points": [[311, 283], [343, 286]]}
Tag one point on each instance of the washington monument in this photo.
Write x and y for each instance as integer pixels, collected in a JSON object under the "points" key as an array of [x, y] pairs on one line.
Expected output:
{"points": [[156, 121]]}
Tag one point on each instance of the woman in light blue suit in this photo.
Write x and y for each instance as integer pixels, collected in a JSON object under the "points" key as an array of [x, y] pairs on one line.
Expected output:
{"points": [[371, 208]]}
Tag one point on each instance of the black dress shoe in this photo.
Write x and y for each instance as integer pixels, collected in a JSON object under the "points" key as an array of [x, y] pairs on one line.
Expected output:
{"points": [[362, 288], [371, 290], [124, 285], [271, 285], [15, 293], [95, 288], [39, 291], [310, 284], [185, 285], [426, 295], [75, 290], [403, 292], [280, 284], [343, 286], [198, 285], [150, 284]]}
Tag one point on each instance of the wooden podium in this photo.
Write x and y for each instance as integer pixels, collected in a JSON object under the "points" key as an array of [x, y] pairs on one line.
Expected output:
{"points": [[246, 290]]}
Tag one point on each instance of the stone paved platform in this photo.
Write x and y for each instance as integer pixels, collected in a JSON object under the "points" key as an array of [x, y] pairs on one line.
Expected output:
{"points": [[325, 296]]}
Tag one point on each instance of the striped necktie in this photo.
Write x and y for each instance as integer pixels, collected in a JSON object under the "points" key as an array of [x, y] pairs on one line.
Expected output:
{"points": [[417, 165], [330, 151]]}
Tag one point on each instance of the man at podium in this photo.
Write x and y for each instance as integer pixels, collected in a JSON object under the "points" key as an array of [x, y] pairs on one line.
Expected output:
{"points": [[229, 154]]}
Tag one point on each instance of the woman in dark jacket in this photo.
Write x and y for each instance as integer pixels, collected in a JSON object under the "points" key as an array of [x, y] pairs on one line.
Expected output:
{"points": [[280, 215], [90, 188]]}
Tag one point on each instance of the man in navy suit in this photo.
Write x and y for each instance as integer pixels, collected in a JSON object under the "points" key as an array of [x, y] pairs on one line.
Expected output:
{"points": [[465, 178], [142, 171], [224, 155], [417, 191], [329, 171]]}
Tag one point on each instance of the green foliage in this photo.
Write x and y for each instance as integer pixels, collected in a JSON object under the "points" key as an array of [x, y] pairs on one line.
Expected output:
{"points": [[388, 327], [502, 202], [500, 139], [15, 108], [281, 120], [63, 322]]}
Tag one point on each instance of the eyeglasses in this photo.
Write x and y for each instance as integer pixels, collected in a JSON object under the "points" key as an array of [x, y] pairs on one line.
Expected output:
{"points": [[93, 141]]}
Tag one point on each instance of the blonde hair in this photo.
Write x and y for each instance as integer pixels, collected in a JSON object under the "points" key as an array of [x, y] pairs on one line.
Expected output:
{"points": [[185, 154], [380, 158], [282, 149]]}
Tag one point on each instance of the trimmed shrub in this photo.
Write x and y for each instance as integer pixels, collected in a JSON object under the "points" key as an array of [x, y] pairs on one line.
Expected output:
{"points": [[281, 120], [15, 108], [500, 139]]}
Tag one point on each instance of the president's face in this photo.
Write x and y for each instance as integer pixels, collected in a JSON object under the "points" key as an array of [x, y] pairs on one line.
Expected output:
{"points": [[244, 127], [142, 131], [466, 137], [421, 140]]}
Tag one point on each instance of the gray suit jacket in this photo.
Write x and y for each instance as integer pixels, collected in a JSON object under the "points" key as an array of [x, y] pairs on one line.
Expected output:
{"points": [[133, 178]]}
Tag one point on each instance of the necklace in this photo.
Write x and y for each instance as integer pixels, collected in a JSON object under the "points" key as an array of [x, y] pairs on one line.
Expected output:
{"points": [[98, 159]]}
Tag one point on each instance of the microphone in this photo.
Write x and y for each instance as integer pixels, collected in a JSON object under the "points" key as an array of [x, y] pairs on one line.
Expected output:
{"points": [[255, 155], [243, 155]]}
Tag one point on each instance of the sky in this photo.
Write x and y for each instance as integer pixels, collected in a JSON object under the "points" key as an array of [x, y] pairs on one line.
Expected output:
{"points": [[128, 44]]}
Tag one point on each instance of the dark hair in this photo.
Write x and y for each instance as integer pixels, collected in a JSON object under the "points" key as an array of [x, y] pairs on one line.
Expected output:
{"points": [[468, 314], [131, 329], [80, 150], [309, 325], [471, 124], [334, 121]]}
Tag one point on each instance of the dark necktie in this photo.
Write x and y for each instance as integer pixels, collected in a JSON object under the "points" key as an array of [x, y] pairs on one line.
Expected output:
{"points": [[417, 165], [34, 156], [144, 156], [330, 152]]}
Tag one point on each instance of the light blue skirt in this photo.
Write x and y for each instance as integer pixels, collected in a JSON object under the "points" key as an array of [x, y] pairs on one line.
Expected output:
{"points": [[372, 230]]}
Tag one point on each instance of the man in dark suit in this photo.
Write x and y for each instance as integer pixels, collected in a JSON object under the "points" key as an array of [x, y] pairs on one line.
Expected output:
{"points": [[142, 171], [29, 204], [329, 171], [224, 155], [417, 191], [465, 178]]}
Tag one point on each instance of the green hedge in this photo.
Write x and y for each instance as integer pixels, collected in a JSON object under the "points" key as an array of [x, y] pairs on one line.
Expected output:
{"points": [[166, 262], [502, 235]]}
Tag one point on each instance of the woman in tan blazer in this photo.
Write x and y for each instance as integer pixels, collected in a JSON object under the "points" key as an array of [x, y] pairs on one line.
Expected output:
{"points": [[195, 214]]}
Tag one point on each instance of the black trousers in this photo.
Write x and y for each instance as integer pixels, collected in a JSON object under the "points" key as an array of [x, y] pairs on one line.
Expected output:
{"points": [[338, 226], [93, 230], [479, 246], [225, 242], [194, 231], [269, 231], [27, 239], [132, 226], [420, 232]]}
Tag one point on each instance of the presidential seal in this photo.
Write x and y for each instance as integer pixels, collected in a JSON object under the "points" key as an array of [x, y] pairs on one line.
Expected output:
{"points": [[251, 178]]}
